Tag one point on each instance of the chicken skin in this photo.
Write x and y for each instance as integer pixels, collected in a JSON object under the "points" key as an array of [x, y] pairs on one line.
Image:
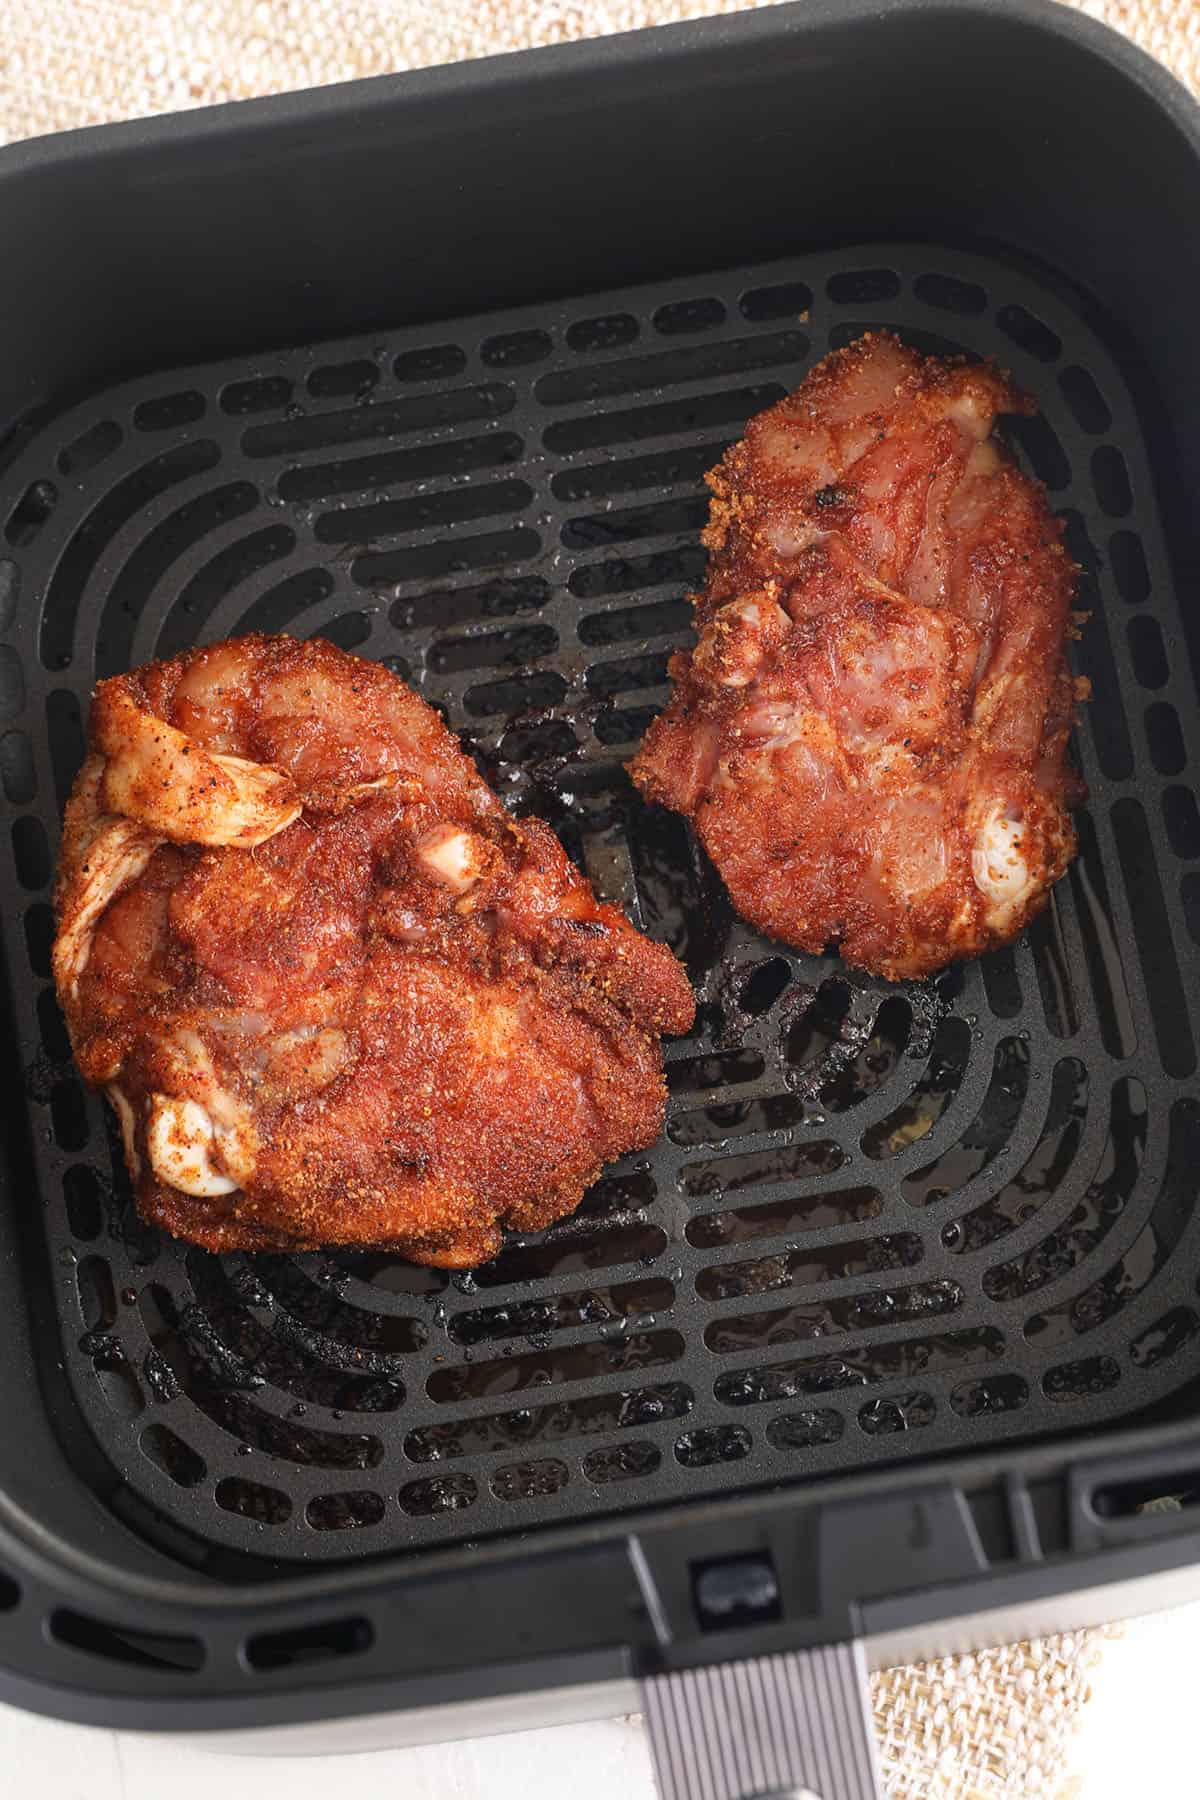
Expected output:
{"points": [[870, 736], [334, 992]]}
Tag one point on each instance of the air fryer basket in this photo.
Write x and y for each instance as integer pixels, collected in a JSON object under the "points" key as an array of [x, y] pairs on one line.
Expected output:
{"points": [[886, 1225]]}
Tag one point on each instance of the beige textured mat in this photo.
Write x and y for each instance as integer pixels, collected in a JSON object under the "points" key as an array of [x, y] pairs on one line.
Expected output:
{"points": [[994, 1726]]}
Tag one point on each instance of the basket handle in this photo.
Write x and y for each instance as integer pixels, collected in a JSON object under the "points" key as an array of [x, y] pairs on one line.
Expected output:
{"points": [[791, 1727]]}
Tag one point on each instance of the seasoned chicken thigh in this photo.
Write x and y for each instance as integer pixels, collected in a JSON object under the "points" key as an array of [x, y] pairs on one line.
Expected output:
{"points": [[334, 992], [870, 735]]}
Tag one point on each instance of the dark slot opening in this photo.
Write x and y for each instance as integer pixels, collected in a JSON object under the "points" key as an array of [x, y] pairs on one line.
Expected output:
{"points": [[622, 575], [347, 632], [950, 294], [31, 512], [1001, 981], [31, 852], [627, 676], [1181, 816], [387, 418], [168, 410], [515, 349], [39, 937], [807, 1267], [859, 287], [452, 556], [663, 519], [689, 315], [896, 1413], [10, 587], [697, 362], [437, 1494], [1156, 950], [185, 1466], [805, 1212], [666, 418], [127, 1643], [1043, 451], [280, 605], [606, 332], [785, 300], [857, 1365], [565, 1362], [120, 504], [1105, 718], [1084, 398], [12, 683], [497, 649], [984, 1138], [253, 1500], [621, 1462], [68, 1115], [91, 448], [530, 1480], [989, 1394], [343, 380], [265, 393], [153, 559], [1148, 651], [1110, 478], [17, 774], [417, 462], [686, 464], [433, 362], [626, 1409], [97, 1295], [916, 1116], [805, 1430], [344, 1512], [764, 986], [656, 619], [81, 1189], [516, 694], [64, 729], [1148, 1496], [10, 1593], [303, 1645], [1165, 738], [1128, 562], [709, 1445], [220, 576], [726, 1173], [421, 512], [1079, 1380], [1029, 333], [844, 1313]]}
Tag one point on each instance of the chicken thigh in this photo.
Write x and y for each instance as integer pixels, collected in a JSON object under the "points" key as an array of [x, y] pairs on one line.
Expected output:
{"points": [[871, 733], [334, 992]]}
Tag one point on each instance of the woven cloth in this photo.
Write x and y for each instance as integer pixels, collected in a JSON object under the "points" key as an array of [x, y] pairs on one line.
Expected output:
{"points": [[993, 1726]]}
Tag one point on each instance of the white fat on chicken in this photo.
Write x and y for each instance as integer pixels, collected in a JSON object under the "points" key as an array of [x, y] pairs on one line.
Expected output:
{"points": [[171, 784], [128, 1124], [220, 1115], [452, 856], [180, 1137], [737, 641], [999, 865], [116, 856]]}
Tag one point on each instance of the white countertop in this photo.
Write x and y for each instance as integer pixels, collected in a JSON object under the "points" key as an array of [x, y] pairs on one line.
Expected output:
{"points": [[1137, 1736]]}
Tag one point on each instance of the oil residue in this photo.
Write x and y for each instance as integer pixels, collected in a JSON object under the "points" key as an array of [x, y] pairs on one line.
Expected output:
{"points": [[917, 1115]]}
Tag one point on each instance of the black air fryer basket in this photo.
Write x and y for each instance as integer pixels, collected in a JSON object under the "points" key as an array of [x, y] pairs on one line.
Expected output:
{"points": [[892, 1344]]}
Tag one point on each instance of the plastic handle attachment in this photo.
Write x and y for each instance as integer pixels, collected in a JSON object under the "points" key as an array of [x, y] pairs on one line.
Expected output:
{"points": [[789, 1727]]}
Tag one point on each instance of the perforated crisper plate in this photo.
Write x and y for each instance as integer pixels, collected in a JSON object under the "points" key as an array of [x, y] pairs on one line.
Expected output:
{"points": [[883, 1221]]}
